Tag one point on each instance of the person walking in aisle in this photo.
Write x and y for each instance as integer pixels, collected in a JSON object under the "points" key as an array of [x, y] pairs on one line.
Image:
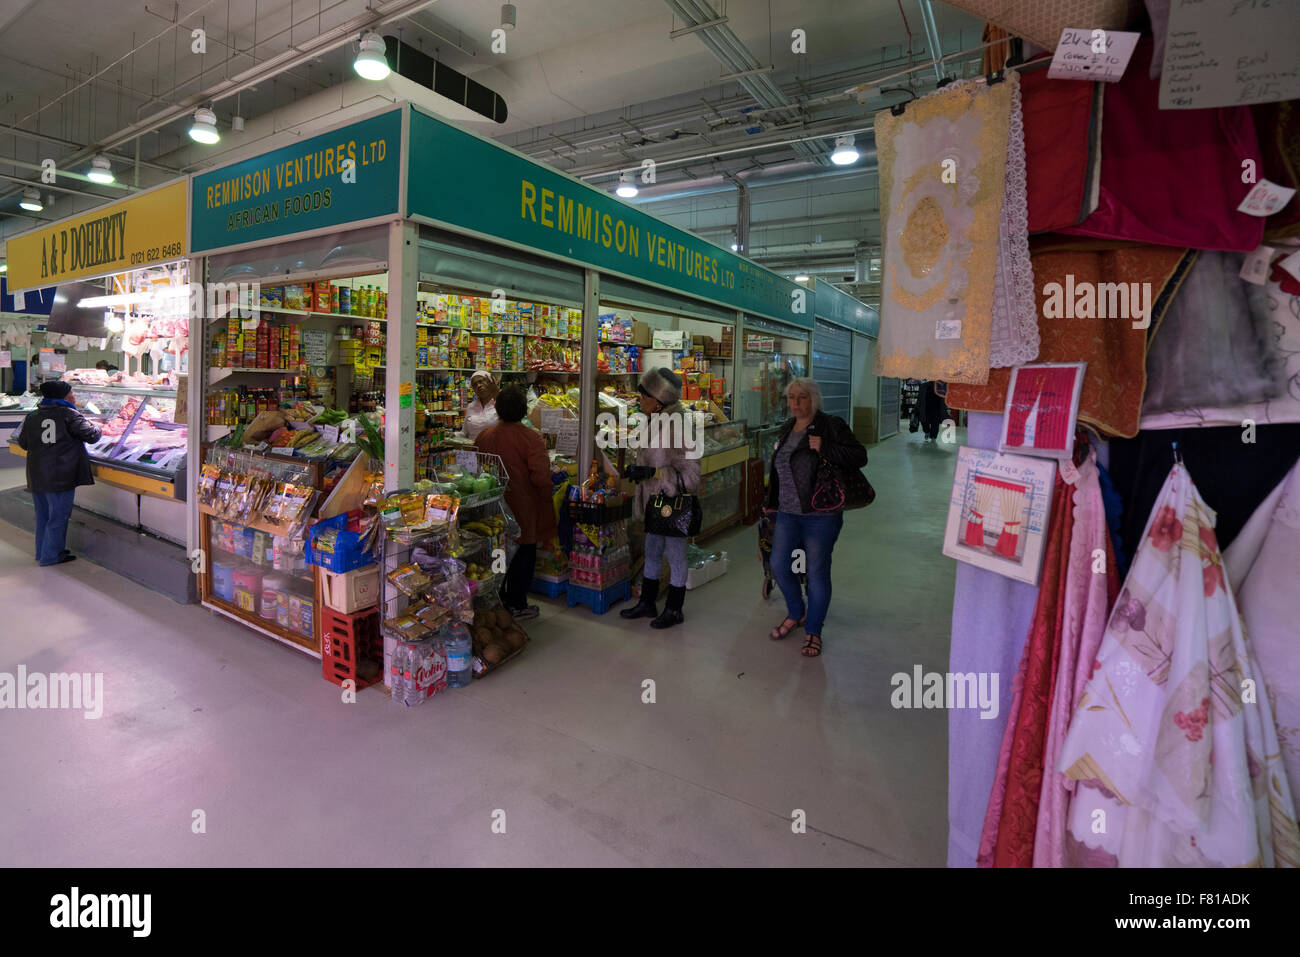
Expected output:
{"points": [[523, 453], [667, 468], [934, 410], [54, 437], [801, 445]]}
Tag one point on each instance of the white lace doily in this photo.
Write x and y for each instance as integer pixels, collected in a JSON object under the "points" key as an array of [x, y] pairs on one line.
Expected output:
{"points": [[1014, 336]]}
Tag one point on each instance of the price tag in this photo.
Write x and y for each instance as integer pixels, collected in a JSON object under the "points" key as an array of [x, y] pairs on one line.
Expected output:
{"points": [[566, 437], [1292, 264], [551, 419], [20, 301], [330, 433], [1265, 199], [947, 329], [1255, 268], [1096, 55], [5, 360], [467, 462]]}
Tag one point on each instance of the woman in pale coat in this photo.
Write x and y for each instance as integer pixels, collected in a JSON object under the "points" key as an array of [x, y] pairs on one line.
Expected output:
{"points": [[673, 468]]}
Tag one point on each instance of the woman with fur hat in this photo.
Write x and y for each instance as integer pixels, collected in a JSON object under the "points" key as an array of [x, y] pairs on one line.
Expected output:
{"points": [[671, 467], [54, 438]]}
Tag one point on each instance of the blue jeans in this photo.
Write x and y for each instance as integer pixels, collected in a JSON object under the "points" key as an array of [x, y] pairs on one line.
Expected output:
{"points": [[53, 509], [815, 534], [655, 546]]}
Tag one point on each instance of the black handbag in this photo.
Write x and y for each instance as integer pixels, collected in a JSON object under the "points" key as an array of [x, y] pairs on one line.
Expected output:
{"points": [[836, 489], [673, 516]]}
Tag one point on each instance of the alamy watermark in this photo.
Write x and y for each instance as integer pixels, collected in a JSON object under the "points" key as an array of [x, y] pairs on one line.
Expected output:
{"points": [[130, 911], [75, 691], [1098, 300], [662, 430], [934, 689]]}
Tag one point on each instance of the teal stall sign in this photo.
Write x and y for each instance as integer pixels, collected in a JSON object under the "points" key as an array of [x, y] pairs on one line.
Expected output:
{"points": [[836, 306], [462, 181], [344, 176]]}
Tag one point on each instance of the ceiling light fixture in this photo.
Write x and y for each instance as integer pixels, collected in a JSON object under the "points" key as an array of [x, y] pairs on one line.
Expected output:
{"points": [[735, 248], [507, 16], [204, 129], [845, 152], [31, 201], [802, 277], [371, 62], [626, 188], [101, 171]]}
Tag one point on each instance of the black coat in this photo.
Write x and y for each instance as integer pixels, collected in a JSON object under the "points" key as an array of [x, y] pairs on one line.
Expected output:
{"points": [[62, 464], [840, 446]]}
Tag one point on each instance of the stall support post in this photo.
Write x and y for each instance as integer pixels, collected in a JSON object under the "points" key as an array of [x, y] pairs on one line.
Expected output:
{"points": [[399, 384], [589, 404], [197, 414]]}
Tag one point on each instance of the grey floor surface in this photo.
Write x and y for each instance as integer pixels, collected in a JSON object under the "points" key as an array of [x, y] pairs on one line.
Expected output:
{"points": [[201, 714]]}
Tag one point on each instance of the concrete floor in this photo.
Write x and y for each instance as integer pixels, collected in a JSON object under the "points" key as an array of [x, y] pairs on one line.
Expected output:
{"points": [[201, 714]]}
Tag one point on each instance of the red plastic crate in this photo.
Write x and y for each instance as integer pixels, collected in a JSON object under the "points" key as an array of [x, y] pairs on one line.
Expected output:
{"points": [[348, 640]]}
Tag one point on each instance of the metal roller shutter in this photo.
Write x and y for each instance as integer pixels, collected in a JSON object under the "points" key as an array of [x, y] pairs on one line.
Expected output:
{"points": [[832, 349]]}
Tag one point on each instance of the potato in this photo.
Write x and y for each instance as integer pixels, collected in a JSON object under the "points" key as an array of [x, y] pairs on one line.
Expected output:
{"points": [[493, 654], [481, 634], [503, 618], [515, 639]]}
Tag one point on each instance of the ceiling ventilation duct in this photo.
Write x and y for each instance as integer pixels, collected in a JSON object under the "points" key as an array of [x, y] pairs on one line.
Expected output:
{"points": [[454, 95]]}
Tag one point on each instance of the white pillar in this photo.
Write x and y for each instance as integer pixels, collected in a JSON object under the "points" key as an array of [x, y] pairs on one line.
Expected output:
{"points": [[589, 404], [399, 384]]}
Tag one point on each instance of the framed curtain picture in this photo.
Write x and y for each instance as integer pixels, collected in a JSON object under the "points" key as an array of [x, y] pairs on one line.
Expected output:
{"points": [[1042, 407], [998, 513]]}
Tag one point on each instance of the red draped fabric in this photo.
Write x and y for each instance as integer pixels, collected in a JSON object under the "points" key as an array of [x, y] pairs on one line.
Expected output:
{"points": [[1012, 816]]}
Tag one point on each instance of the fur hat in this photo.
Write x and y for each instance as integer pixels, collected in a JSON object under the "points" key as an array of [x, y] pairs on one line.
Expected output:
{"points": [[662, 385], [54, 389]]}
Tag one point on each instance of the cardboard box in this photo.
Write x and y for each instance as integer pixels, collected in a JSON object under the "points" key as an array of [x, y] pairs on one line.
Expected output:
{"points": [[352, 591], [670, 339], [642, 335], [865, 426]]}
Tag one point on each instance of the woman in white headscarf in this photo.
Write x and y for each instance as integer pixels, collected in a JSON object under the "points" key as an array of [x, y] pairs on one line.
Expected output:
{"points": [[482, 413]]}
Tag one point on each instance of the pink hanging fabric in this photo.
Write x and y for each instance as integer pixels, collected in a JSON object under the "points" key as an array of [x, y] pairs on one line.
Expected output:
{"points": [[1088, 599], [1172, 177]]}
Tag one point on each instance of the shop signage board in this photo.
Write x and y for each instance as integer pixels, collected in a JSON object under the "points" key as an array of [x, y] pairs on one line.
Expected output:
{"points": [[480, 186], [137, 232], [305, 186], [837, 307], [37, 302]]}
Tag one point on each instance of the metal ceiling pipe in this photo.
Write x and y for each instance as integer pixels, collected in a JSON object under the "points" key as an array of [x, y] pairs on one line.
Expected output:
{"points": [[779, 175]]}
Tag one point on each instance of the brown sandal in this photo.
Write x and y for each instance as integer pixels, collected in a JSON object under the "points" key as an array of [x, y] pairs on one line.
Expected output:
{"points": [[783, 630], [812, 646]]}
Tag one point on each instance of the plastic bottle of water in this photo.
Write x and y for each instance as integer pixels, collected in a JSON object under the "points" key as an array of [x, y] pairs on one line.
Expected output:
{"points": [[458, 644], [397, 672]]}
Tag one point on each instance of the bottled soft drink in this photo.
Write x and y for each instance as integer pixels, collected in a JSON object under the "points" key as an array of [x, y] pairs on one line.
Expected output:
{"points": [[458, 644], [397, 673]]}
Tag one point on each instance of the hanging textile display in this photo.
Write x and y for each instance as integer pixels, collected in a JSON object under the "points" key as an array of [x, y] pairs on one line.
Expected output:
{"points": [[1043, 22], [1079, 329], [1013, 337], [1261, 570], [1183, 772], [1155, 163], [1090, 593], [1279, 312], [1279, 140], [1042, 408], [942, 181], [1063, 122], [1012, 813], [1214, 346], [990, 622]]}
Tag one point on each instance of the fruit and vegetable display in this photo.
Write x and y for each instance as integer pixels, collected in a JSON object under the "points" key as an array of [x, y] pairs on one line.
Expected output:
{"points": [[496, 637], [329, 417]]}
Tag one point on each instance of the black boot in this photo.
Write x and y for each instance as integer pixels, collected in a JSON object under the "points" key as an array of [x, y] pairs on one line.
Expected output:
{"points": [[645, 608], [672, 613]]}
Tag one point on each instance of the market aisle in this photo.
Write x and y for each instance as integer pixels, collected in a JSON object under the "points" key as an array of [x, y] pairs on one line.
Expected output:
{"points": [[200, 714]]}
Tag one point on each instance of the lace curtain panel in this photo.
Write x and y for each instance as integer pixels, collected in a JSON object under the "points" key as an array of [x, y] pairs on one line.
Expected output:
{"points": [[943, 167]]}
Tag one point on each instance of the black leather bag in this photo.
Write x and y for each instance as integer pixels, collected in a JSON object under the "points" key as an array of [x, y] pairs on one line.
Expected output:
{"points": [[673, 516], [837, 489]]}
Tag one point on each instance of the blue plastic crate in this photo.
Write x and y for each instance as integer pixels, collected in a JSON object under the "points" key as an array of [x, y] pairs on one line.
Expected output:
{"points": [[551, 589], [600, 600], [347, 553]]}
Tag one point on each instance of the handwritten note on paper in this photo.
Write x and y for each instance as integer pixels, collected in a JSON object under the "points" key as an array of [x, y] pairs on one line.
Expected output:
{"points": [[315, 346], [566, 437], [1096, 55], [1229, 53]]}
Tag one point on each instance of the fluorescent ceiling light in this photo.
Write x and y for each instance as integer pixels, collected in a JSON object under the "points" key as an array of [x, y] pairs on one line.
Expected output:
{"points": [[371, 63], [626, 188], [204, 129], [845, 152], [735, 248], [802, 277], [125, 299], [101, 171], [4, 267], [31, 201]]}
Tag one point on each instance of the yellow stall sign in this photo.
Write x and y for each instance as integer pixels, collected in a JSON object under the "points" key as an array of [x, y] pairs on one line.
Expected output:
{"points": [[136, 232]]}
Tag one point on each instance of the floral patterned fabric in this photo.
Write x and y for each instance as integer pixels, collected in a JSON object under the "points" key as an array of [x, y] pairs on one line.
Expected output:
{"points": [[1173, 746]]}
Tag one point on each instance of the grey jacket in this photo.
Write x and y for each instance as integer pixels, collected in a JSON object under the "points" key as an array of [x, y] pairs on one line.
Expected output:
{"points": [[673, 463]]}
